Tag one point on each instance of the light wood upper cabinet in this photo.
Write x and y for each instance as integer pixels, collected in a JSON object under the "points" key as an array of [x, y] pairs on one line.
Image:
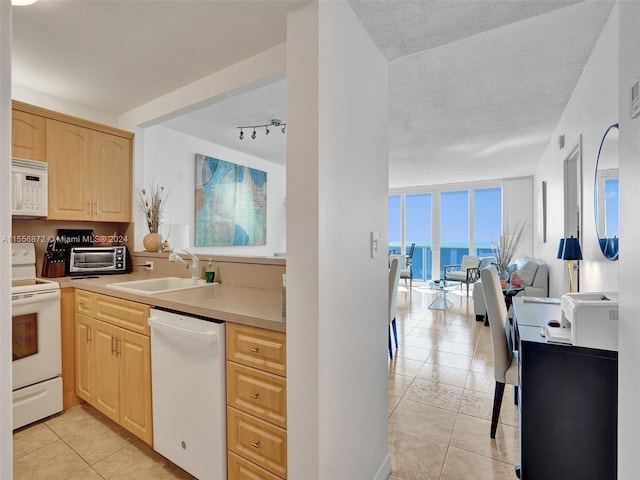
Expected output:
{"points": [[70, 181], [111, 178], [27, 136], [89, 174]]}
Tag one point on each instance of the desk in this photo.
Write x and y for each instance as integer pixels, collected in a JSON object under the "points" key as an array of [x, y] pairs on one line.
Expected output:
{"points": [[568, 402]]}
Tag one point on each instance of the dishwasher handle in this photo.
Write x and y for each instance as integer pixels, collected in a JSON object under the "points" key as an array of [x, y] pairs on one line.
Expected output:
{"points": [[207, 337]]}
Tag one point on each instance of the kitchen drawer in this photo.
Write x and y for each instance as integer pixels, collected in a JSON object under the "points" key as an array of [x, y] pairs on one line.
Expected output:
{"points": [[257, 347], [123, 313], [258, 441], [84, 303], [240, 469], [258, 393]]}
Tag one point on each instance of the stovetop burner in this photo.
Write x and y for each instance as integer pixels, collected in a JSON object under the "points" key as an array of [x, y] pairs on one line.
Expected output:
{"points": [[23, 271]]}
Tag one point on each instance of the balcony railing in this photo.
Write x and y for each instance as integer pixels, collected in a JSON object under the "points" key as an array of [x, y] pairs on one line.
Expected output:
{"points": [[422, 260]]}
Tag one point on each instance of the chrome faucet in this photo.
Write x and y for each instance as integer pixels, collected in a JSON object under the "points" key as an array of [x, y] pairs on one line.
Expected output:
{"points": [[194, 267]]}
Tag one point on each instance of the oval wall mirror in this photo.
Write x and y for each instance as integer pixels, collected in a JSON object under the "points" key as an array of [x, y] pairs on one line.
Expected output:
{"points": [[606, 198]]}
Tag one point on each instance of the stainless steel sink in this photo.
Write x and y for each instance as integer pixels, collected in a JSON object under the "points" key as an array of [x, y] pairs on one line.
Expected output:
{"points": [[154, 286]]}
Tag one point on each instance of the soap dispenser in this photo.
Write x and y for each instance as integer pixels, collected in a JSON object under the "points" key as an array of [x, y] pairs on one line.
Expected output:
{"points": [[209, 272]]}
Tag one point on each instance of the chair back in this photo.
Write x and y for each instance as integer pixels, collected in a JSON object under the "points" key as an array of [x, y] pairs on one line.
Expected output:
{"points": [[411, 249], [500, 328], [394, 278]]}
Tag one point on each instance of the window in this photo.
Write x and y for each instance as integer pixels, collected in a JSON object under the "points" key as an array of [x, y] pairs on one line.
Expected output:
{"points": [[487, 219], [451, 223], [454, 228], [395, 223], [418, 231]]}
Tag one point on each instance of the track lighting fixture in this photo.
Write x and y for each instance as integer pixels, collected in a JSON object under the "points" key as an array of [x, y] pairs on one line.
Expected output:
{"points": [[274, 123]]}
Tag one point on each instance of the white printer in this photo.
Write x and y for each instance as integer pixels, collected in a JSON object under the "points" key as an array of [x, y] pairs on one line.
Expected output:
{"points": [[592, 318]]}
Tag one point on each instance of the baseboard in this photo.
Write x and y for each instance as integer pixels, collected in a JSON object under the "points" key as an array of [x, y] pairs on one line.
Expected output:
{"points": [[385, 469]]}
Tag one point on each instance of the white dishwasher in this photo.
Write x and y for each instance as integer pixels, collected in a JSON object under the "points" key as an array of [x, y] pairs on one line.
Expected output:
{"points": [[189, 392]]}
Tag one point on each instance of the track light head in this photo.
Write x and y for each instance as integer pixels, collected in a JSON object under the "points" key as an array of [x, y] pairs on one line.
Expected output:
{"points": [[241, 134], [283, 128], [266, 130], [253, 135]]}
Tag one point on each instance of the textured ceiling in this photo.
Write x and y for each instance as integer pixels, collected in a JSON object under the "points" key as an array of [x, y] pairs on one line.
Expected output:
{"points": [[476, 87], [116, 55]]}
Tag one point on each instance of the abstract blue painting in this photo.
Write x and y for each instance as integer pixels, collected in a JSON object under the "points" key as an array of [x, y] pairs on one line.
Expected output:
{"points": [[230, 204]]}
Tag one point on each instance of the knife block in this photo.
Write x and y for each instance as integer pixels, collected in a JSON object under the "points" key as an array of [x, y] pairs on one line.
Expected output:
{"points": [[52, 268]]}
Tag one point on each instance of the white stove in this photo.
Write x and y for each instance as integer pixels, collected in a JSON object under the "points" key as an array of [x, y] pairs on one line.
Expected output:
{"points": [[23, 271], [36, 340]]}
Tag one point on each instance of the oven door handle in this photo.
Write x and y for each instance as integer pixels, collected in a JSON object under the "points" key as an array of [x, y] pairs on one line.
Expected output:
{"points": [[35, 298]]}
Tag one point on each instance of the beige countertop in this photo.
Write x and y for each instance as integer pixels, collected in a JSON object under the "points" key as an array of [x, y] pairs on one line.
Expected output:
{"points": [[258, 307]]}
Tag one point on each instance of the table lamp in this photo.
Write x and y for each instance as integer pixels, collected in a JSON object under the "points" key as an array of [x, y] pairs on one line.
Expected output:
{"points": [[569, 249]]}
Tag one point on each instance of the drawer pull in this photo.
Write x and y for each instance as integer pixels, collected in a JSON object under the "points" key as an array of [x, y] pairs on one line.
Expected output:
{"points": [[255, 395], [256, 444], [255, 350]]}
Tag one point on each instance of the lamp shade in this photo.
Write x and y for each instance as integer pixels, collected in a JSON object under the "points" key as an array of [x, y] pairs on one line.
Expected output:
{"points": [[560, 249], [571, 250]]}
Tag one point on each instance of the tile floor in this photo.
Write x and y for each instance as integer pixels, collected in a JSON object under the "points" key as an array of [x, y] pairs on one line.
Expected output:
{"points": [[440, 399], [441, 395], [82, 444]]}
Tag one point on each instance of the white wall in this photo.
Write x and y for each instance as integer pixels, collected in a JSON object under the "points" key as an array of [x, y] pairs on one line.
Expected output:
{"points": [[6, 452], [169, 160], [629, 335], [43, 100], [337, 181], [592, 108]]}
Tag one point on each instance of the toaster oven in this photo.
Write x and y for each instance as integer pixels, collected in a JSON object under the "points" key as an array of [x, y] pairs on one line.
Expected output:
{"points": [[98, 260]]}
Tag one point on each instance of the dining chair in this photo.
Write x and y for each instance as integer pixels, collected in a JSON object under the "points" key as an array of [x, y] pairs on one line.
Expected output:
{"points": [[406, 269], [394, 278], [505, 360]]}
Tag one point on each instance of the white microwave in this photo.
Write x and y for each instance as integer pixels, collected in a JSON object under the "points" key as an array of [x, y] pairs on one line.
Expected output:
{"points": [[29, 188]]}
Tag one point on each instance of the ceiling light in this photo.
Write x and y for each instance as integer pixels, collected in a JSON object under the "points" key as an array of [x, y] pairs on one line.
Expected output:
{"points": [[274, 123], [22, 3]]}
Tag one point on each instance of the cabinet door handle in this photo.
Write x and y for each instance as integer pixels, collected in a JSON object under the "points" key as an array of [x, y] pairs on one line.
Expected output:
{"points": [[118, 347], [255, 350], [256, 444], [89, 208], [255, 396], [114, 345], [87, 334], [97, 211]]}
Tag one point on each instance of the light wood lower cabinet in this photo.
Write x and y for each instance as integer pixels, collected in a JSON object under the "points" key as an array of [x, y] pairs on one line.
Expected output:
{"points": [[84, 362], [256, 403], [241, 469], [113, 364]]}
